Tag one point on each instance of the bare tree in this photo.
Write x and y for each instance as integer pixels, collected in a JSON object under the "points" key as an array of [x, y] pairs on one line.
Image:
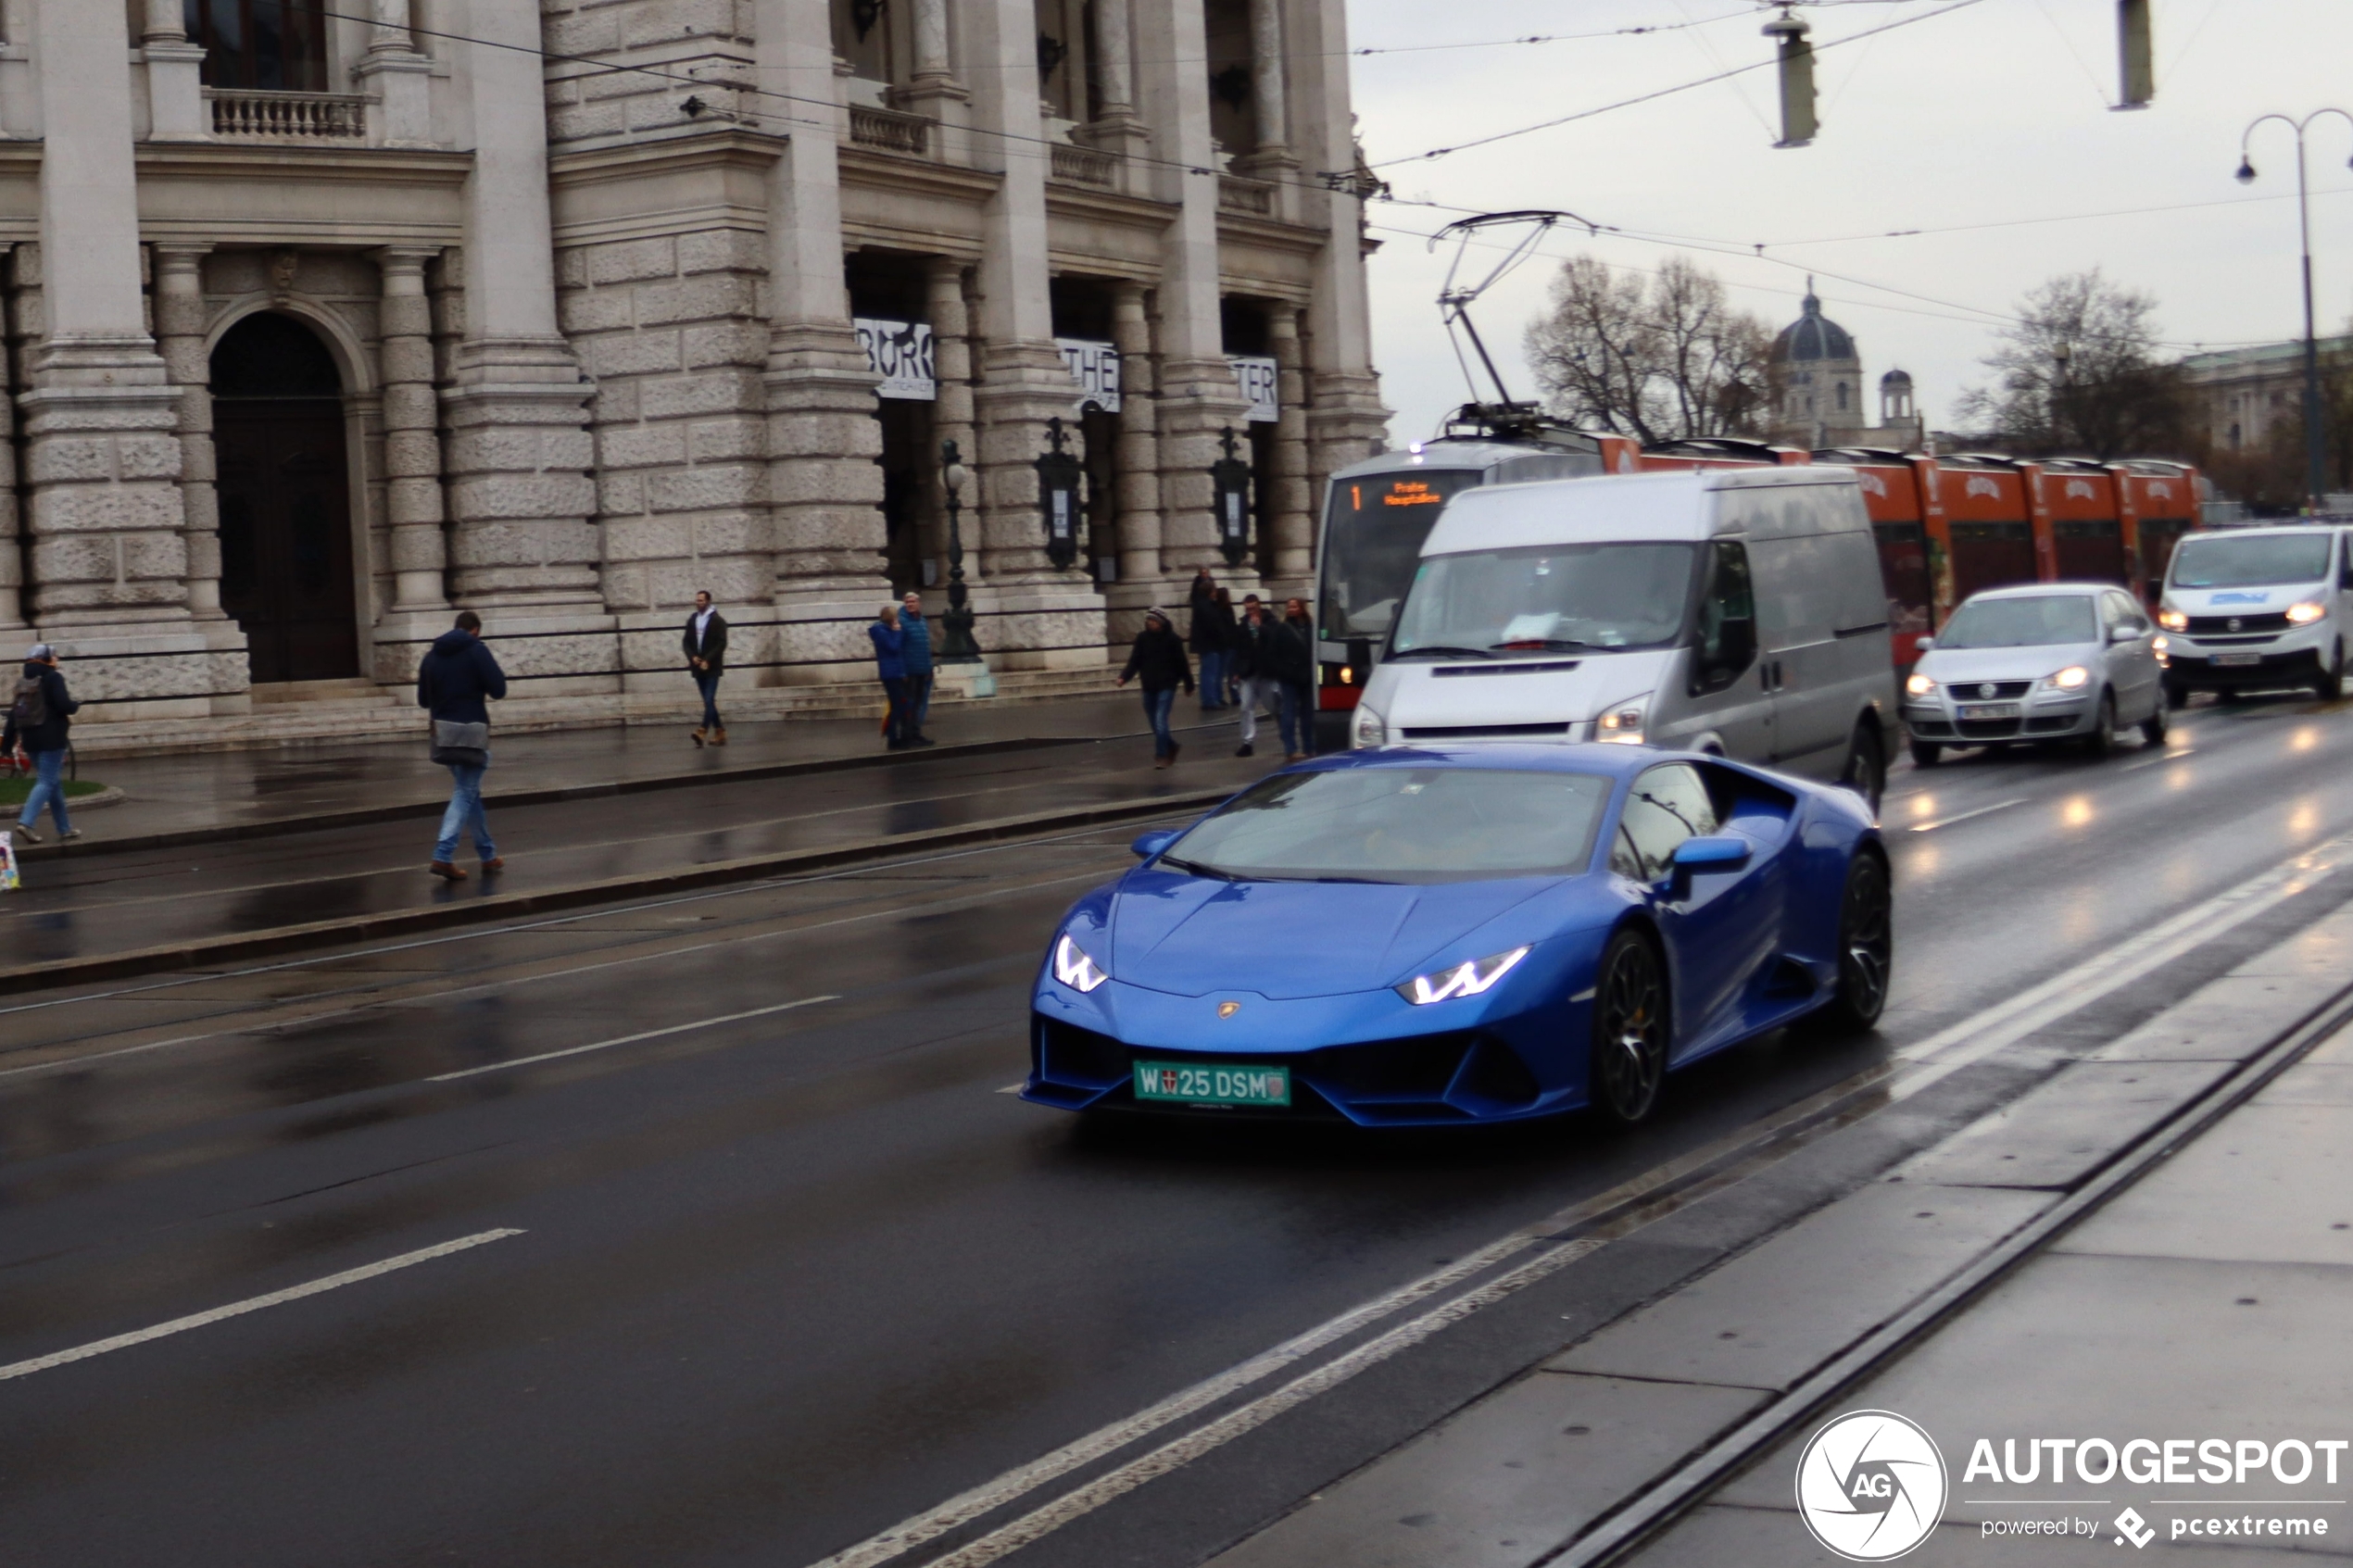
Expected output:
{"points": [[1658, 360], [2079, 373]]}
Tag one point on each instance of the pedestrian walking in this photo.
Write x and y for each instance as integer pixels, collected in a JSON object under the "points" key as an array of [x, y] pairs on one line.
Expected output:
{"points": [[914, 652], [890, 663], [1212, 640], [705, 644], [1158, 662], [39, 716], [456, 676], [1251, 660], [1295, 675]]}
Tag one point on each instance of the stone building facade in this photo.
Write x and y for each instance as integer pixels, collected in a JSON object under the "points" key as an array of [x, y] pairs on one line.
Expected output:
{"points": [[563, 309]]}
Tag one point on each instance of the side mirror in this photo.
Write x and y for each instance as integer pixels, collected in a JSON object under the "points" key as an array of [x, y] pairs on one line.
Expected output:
{"points": [[1923, 644], [1703, 856], [1148, 844], [2124, 634]]}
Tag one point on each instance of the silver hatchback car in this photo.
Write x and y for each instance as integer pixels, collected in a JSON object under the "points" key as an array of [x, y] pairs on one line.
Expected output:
{"points": [[2048, 661]]}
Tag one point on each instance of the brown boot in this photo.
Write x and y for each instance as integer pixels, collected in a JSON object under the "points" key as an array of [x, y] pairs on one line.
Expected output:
{"points": [[719, 735], [698, 737], [447, 872], [495, 863]]}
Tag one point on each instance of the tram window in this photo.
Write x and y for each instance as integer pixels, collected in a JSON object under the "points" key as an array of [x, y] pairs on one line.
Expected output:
{"points": [[1373, 535]]}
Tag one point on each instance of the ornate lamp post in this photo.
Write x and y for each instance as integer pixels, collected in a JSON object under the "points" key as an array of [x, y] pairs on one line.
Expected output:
{"points": [[1229, 481], [956, 645], [2315, 437], [1058, 476]]}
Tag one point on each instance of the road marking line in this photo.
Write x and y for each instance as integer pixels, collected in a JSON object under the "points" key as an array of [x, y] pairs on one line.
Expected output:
{"points": [[625, 1040], [2155, 761], [1965, 816], [991, 1495], [1014, 1088], [253, 1303], [1981, 1035]]}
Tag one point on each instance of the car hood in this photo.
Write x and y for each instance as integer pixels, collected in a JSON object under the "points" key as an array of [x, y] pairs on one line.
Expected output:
{"points": [[1511, 689], [1193, 936], [1958, 665], [2264, 600]]}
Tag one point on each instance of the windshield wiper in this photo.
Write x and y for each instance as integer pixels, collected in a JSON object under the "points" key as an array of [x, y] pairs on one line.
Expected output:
{"points": [[1197, 868], [1442, 650]]}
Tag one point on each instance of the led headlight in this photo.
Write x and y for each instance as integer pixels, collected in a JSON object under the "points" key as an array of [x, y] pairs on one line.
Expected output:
{"points": [[2304, 613], [1463, 979], [1623, 722], [2172, 619], [1368, 728], [2068, 679], [1919, 685], [1075, 969]]}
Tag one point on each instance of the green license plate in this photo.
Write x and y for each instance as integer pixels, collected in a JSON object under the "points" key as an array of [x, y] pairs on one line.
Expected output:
{"points": [[1194, 1084]]}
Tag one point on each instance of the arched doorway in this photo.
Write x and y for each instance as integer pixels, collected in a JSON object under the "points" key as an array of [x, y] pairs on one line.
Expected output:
{"points": [[285, 500]]}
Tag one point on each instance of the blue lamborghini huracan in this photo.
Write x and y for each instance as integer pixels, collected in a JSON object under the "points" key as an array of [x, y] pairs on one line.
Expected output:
{"points": [[1425, 938]]}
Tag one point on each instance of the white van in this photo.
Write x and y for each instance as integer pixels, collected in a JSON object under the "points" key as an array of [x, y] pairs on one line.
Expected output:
{"points": [[1734, 610], [2247, 608]]}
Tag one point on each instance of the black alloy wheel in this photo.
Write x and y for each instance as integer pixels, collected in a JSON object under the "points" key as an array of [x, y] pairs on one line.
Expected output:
{"points": [[1630, 1029], [1866, 766], [2102, 740], [1866, 947], [2153, 728], [2330, 685]]}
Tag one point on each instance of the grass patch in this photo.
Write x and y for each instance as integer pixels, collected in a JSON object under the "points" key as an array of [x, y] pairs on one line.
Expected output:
{"points": [[13, 791]]}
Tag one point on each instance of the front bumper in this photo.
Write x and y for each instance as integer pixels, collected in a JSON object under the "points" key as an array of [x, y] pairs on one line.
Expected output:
{"points": [[2192, 667], [2038, 717]]}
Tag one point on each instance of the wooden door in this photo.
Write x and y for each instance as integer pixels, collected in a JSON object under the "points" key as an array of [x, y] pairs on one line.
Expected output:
{"points": [[286, 535]]}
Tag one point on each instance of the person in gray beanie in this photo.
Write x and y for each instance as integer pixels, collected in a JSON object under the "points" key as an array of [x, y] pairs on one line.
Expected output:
{"points": [[1158, 660], [39, 715]]}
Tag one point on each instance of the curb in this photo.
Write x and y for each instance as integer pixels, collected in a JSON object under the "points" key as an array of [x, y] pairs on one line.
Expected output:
{"points": [[365, 816], [498, 905]]}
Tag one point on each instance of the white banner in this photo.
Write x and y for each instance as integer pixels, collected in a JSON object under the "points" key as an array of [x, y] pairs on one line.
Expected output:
{"points": [[1095, 367], [900, 352], [1255, 374]]}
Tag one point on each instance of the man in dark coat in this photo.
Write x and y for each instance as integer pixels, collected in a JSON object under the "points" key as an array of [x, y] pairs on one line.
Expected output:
{"points": [[1296, 675], [39, 715], [705, 646], [1257, 660], [1158, 661], [1207, 633], [914, 652], [457, 675]]}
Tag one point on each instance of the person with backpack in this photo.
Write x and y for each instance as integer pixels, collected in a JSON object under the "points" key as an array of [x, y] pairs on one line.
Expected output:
{"points": [[38, 719], [457, 674]]}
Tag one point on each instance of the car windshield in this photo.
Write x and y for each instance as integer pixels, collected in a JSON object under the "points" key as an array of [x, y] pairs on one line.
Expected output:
{"points": [[2249, 562], [2021, 623], [1409, 825], [1373, 535], [1612, 595]]}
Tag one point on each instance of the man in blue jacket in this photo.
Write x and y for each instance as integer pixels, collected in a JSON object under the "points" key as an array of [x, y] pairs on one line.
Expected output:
{"points": [[915, 636], [457, 675], [890, 663]]}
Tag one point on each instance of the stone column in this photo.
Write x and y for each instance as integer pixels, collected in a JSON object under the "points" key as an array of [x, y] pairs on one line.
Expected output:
{"points": [[1292, 526], [934, 90], [1266, 79], [1346, 422], [175, 83], [952, 413], [179, 335], [823, 485], [412, 437], [1117, 130], [522, 548], [396, 75], [1141, 578], [109, 558], [12, 537]]}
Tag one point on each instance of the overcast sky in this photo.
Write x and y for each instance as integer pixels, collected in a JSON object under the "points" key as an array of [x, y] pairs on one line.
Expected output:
{"points": [[1995, 113]]}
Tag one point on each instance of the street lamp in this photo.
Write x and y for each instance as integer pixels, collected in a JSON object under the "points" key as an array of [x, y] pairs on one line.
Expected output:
{"points": [[956, 645], [2315, 441]]}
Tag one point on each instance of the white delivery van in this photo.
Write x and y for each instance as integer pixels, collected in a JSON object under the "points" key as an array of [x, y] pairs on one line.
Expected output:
{"points": [[2258, 607], [1733, 610]]}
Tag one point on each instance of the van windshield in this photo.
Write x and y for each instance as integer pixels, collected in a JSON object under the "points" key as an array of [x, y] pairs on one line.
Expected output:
{"points": [[2224, 562], [1603, 595]]}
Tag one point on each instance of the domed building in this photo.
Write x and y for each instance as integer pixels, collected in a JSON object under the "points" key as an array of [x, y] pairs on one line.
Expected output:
{"points": [[1817, 388]]}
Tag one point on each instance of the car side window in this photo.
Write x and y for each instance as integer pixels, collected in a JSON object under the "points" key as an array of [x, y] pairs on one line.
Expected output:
{"points": [[1667, 805], [2122, 612], [1725, 635]]}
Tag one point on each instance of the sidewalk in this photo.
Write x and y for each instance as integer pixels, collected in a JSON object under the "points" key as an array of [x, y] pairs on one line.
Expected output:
{"points": [[194, 797]]}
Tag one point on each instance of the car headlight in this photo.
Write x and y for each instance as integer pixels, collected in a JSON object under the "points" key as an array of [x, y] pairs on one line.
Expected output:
{"points": [[1368, 728], [1919, 685], [1623, 722], [2172, 619], [2306, 613], [1462, 980], [2068, 679], [1075, 969], [2162, 647]]}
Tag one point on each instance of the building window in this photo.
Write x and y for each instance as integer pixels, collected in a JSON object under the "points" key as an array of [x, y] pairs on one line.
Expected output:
{"points": [[1841, 397], [269, 45]]}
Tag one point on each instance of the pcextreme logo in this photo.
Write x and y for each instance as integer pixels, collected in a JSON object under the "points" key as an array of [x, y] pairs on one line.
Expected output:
{"points": [[1870, 1485]]}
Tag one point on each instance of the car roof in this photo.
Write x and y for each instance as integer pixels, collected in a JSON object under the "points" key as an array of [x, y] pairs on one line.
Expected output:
{"points": [[2042, 590]]}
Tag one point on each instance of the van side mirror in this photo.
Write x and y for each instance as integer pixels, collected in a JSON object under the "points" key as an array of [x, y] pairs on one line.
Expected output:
{"points": [[1148, 844]]}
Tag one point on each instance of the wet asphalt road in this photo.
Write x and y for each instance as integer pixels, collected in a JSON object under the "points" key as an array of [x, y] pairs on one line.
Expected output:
{"points": [[785, 1279]]}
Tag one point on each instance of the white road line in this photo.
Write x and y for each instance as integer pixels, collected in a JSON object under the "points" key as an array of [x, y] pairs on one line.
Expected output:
{"points": [[909, 1534], [1965, 816], [1014, 1088], [1953, 1048], [2157, 761], [253, 1303], [625, 1040]]}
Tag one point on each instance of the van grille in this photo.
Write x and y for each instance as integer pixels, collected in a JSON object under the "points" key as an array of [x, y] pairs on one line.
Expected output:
{"points": [[2215, 626], [1484, 731], [1445, 670]]}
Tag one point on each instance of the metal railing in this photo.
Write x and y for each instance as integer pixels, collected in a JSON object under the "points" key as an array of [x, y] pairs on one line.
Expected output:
{"points": [[1254, 197], [1085, 166], [888, 131], [251, 115]]}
